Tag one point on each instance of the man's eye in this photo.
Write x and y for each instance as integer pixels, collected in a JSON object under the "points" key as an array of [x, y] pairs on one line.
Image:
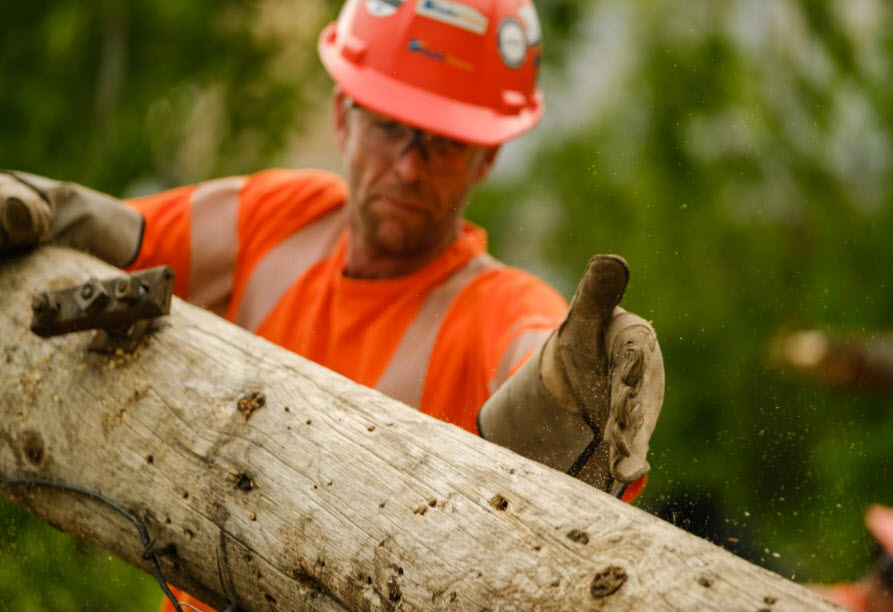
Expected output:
{"points": [[386, 125], [449, 146]]}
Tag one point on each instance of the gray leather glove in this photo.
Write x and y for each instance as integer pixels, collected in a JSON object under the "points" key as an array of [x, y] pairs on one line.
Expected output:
{"points": [[588, 401], [34, 209]]}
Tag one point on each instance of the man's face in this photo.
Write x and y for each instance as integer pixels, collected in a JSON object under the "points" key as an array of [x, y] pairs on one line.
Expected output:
{"points": [[407, 188]]}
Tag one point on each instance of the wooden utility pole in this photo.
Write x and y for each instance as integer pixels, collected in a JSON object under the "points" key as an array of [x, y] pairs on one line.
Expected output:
{"points": [[267, 481]]}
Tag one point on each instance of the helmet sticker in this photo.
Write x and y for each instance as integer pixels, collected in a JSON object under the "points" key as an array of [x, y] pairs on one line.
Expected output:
{"points": [[383, 8], [420, 46], [454, 13], [531, 20], [512, 42]]}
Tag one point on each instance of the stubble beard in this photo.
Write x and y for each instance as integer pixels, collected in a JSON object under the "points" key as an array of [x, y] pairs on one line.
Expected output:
{"points": [[395, 234], [392, 236], [392, 233]]}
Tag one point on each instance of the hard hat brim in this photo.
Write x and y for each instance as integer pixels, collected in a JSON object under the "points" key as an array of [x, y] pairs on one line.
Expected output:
{"points": [[428, 111]]}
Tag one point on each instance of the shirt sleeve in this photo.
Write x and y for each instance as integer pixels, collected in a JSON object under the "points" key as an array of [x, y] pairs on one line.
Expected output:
{"points": [[496, 323], [523, 313], [206, 231], [194, 229]]}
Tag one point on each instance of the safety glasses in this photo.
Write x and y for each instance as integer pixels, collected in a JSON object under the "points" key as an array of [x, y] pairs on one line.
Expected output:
{"points": [[393, 139]]}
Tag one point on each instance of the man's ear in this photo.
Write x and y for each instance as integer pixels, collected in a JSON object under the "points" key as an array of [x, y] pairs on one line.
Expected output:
{"points": [[487, 159], [340, 107]]}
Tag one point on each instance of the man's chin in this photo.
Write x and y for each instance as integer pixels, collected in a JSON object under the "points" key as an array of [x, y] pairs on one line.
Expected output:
{"points": [[396, 239], [397, 231], [399, 248]]}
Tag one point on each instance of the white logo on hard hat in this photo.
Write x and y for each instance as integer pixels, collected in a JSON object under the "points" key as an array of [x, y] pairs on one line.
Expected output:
{"points": [[454, 13], [531, 20], [383, 8], [512, 42]]}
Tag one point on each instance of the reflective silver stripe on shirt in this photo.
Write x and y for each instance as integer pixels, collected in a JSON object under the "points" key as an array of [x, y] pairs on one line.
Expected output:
{"points": [[284, 265], [526, 342], [214, 236], [404, 377]]}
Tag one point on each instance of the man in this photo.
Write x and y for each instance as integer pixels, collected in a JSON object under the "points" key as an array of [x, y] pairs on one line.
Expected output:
{"points": [[378, 277]]}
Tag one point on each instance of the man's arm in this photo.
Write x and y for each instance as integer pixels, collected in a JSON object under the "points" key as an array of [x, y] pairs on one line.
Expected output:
{"points": [[588, 401], [34, 209]]}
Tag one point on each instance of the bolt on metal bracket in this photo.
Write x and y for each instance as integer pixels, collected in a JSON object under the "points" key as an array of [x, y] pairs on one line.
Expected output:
{"points": [[120, 307]]}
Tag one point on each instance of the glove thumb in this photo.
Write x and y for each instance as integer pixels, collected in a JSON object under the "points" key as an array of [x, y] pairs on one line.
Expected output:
{"points": [[574, 364], [599, 292]]}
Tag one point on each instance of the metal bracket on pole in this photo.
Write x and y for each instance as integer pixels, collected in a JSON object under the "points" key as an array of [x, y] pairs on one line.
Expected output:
{"points": [[121, 308]]}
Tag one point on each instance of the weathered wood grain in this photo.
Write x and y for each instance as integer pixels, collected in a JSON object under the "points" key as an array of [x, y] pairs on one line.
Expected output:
{"points": [[283, 486]]}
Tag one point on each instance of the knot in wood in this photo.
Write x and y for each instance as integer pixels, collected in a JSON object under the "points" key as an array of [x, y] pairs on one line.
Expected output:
{"points": [[32, 444], [608, 581], [251, 402], [576, 535], [394, 593], [499, 503], [244, 482]]}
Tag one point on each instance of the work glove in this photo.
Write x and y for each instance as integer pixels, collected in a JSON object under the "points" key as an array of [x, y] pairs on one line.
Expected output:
{"points": [[588, 401], [34, 209], [24, 214]]}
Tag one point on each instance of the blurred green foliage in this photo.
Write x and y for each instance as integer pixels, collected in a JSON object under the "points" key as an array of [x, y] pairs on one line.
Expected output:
{"points": [[44, 570], [737, 153], [168, 92]]}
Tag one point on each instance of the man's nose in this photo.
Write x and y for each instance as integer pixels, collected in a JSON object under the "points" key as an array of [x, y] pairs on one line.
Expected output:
{"points": [[412, 159]]}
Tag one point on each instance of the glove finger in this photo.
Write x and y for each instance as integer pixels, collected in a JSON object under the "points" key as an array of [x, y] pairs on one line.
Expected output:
{"points": [[625, 414], [25, 218], [636, 398], [632, 366]]}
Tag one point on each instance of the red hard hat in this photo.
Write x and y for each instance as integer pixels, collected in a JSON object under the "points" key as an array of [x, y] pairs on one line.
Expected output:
{"points": [[465, 69]]}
